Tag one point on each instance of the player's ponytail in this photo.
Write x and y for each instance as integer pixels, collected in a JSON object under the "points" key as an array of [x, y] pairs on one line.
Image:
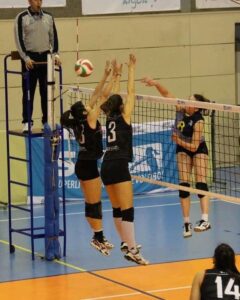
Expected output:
{"points": [[113, 106], [224, 260], [67, 121], [78, 111]]}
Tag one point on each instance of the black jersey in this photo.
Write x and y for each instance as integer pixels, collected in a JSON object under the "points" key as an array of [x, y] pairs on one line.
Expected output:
{"points": [[184, 124], [119, 139], [219, 285], [90, 141]]}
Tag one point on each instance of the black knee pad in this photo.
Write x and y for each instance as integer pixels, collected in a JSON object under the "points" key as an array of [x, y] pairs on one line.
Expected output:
{"points": [[201, 186], [117, 212], [184, 194], [128, 214], [93, 210]]}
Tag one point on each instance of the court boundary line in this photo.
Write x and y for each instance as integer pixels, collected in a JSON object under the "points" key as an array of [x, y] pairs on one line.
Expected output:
{"points": [[61, 262], [134, 294]]}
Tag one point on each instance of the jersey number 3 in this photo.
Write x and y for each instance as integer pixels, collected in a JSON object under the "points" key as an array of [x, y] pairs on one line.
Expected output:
{"points": [[112, 132], [230, 290]]}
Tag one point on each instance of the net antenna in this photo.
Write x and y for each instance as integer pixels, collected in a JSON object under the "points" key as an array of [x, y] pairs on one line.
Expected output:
{"points": [[77, 37], [77, 46]]}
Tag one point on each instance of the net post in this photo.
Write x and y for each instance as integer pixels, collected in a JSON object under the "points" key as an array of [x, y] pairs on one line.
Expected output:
{"points": [[51, 87], [51, 155]]}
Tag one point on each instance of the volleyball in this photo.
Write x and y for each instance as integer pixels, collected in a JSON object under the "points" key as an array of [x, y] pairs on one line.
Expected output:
{"points": [[83, 67]]}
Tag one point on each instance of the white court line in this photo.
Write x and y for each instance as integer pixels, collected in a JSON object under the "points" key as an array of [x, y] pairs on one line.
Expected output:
{"points": [[76, 201], [80, 201], [111, 297], [104, 210], [138, 293], [108, 210]]}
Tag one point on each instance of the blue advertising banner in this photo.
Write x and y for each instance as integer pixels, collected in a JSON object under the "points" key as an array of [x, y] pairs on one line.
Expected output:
{"points": [[154, 158]]}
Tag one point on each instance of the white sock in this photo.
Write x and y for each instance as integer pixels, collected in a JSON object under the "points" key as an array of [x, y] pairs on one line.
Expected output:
{"points": [[205, 217], [186, 219], [118, 226], [129, 234]]}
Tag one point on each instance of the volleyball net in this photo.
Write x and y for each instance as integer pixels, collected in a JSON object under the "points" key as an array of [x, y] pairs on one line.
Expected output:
{"points": [[154, 152]]}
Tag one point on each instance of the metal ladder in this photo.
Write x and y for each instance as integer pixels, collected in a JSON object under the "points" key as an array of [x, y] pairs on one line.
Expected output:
{"points": [[33, 231]]}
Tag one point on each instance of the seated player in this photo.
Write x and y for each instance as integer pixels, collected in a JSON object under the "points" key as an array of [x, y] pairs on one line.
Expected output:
{"points": [[220, 282]]}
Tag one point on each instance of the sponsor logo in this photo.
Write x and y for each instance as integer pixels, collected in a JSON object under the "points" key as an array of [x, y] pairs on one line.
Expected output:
{"points": [[147, 161]]}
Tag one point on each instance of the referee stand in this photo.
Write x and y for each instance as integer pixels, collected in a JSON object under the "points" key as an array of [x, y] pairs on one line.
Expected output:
{"points": [[33, 231]]}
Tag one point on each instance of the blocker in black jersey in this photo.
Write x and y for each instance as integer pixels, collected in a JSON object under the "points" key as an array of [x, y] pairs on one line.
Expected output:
{"points": [[83, 120], [118, 151], [114, 170], [90, 141], [119, 139], [91, 149]]}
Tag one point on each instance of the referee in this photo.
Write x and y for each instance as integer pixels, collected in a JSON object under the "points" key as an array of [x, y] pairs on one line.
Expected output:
{"points": [[35, 36]]}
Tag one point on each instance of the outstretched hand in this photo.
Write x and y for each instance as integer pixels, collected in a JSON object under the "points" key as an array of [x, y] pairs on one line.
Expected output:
{"points": [[117, 68], [148, 81], [107, 69], [132, 60]]}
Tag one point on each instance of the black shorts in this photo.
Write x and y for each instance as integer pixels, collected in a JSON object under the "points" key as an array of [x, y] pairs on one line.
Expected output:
{"points": [[201, 149], [86, 169], [115, 171]]}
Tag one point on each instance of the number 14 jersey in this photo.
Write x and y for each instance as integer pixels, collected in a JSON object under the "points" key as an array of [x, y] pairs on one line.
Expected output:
{"points": [[219, 285]]}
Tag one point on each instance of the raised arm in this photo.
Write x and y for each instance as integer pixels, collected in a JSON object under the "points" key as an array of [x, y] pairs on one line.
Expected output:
{"points": [[130, 100], [94, 112], [162, 90], [98, 90], [117, 74], [108, 88]]}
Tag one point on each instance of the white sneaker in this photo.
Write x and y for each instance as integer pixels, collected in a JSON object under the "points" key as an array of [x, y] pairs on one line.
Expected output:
{"points": [[124, 247], [202, 226], [25, 128], [108, 245], [136, 257], [101, 247], [187, 230]]}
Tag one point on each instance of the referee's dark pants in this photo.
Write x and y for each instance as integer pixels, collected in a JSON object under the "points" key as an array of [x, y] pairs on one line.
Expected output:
{"points": [[37, 74]]}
